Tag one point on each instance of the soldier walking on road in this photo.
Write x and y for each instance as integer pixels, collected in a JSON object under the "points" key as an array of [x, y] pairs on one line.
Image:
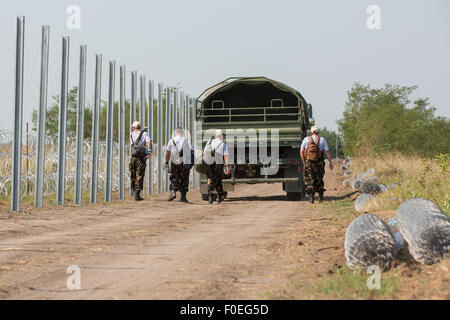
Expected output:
{"points": [[312, 154], [139, 139], [217, 152], [179, 153]]}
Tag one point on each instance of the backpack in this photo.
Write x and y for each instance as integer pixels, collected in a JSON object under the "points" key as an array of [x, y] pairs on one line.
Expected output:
{"points": [[138, 150], [313, 152]]}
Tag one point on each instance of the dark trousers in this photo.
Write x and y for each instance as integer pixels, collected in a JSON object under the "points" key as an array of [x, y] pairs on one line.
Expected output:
{"points": [[137, 172], [179, 178], [215, 175]]}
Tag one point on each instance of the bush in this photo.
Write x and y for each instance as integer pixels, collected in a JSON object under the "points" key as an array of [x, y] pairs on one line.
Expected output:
{"points": [[377, 121]]}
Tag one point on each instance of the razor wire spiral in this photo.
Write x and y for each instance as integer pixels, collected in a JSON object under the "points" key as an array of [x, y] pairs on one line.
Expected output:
{"points": [[28, 166]]}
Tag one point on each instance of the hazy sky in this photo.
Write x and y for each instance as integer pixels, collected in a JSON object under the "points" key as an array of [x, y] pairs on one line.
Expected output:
{"points": [[320, 48]]}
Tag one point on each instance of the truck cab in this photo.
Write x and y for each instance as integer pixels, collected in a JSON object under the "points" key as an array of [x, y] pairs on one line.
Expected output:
{"points": [[264, 123]]}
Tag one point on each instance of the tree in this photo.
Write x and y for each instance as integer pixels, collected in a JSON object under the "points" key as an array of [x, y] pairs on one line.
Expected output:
{"points": [[384, 120], [52, 118]]}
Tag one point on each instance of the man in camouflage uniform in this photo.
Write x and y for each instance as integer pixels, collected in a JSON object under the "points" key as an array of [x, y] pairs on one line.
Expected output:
{"points": [[137, 165], [314, 170], [179, 156], [217, 153]]}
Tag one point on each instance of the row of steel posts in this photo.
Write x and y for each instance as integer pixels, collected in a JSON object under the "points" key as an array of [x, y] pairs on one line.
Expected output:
{"points": [[180, 111]]}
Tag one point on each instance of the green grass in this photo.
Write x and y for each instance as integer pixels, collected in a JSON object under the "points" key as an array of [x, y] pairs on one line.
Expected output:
{"points": [[418, 178], [339, 210], [350, 285]]}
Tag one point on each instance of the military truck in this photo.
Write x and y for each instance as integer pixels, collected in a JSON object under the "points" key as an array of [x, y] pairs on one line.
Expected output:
{"points": [[254, 104]]}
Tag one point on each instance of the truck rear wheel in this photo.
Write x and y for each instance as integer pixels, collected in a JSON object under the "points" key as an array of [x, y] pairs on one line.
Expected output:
{"points": [[294, 196]]}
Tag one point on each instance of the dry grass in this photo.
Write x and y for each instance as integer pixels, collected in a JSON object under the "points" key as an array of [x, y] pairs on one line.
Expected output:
{"points": [[418, 178]]}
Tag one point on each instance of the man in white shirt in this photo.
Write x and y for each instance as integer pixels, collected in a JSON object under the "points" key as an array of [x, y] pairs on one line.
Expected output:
{"points": [[312, 154], [138, 140], [216, 153], [179, 156]]}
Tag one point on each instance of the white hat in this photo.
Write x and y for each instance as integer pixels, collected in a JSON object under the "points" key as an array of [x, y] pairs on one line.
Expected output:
{"points": [[219, 133], [314, 129], [136, 124]]}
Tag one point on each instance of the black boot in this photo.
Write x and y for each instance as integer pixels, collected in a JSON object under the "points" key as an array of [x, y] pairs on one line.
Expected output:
{"points": [[172, 196], [210, 198], [137, 196], [311, 197], [183, 198], [321, 197]]}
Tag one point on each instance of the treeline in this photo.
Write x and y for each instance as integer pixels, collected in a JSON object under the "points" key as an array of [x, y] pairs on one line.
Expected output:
{"points": [[377, 121], [52, 118]]}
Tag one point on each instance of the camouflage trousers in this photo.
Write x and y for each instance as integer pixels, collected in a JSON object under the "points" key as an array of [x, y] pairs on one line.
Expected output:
{"points": [[313, 176], [215, 175], [137, 173], [179, 178]]}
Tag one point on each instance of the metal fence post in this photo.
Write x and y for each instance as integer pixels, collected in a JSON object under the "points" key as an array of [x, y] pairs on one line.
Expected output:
{"points": [[175, 109], [150, 132], [95, 127], [187, 114], [122, 133], [80, 126], [168, 130], [159, 128], [18, 114], [181, 110], [109, 131], [194, 138], [133, 107], [61, 183], [142, 101], [142, 119], [40, 161]]}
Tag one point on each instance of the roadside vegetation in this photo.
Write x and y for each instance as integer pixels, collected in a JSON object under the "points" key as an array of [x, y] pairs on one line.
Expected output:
{"points": [[417, 178], [406, 143]]}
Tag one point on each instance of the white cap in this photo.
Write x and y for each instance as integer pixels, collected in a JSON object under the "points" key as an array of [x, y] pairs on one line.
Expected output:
{"points": [[314, 129], [219, 134], [136, 124]]}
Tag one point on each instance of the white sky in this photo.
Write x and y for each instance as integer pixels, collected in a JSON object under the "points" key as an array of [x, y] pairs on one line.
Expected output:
{"points": [[318, 47]]}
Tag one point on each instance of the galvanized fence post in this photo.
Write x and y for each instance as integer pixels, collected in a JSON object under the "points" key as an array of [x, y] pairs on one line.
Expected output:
{"points": [[61, 183], [168, 130], [122, 133], [181, 110], [194, 137], [150, 132], [187, 114], [40, 161], [80, 126], [109, 131], [133, 107], [95, 127], [142, 102], [175, 109], [160, 134], [18, 114]]}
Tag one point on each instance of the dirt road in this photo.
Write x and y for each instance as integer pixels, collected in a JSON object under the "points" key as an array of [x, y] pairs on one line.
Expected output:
{"points": [[249, 247]]}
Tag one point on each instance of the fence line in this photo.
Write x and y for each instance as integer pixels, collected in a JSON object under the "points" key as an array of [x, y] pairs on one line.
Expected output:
{"points": [[63, 163]]}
